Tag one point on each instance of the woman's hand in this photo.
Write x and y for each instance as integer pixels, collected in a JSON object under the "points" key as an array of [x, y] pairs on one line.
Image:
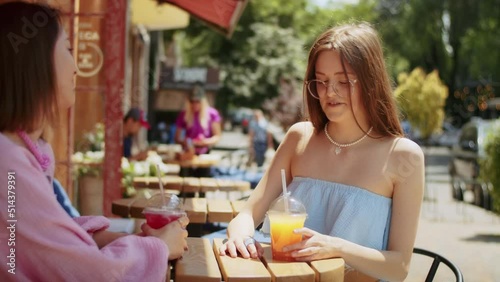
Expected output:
{"points": [[173, 234], [314, 246], [246, 246], [200, 142]]}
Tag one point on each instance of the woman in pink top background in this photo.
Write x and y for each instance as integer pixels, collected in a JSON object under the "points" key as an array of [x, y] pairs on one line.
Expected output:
{"points": [[200, 123], [38, 240]]}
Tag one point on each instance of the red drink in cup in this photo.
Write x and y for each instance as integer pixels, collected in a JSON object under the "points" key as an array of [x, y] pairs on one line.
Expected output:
{"points": [[157, 217], [160, 211]]}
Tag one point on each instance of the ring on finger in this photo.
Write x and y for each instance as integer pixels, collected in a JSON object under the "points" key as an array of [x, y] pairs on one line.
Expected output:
{"points": [[249, 241]]}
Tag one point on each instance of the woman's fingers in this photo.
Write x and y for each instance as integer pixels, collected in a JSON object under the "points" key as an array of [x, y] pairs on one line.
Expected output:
{"points": [[306, 232], [231, 248], [183, 221], [146, 229], [223, 248], [246, 248]]}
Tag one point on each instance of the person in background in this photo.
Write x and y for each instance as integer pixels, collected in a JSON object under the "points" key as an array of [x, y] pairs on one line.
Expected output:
{"points": [[133, 121], [200, 123], [198, 128], [260, 137], [360, 180], [36, 86]]}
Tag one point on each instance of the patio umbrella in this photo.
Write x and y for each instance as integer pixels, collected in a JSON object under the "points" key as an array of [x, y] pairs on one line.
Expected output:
{"points": [[222, 15]]}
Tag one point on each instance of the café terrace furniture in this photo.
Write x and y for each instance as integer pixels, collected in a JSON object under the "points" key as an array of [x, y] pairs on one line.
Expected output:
{"points": [[202, 263], [198, 210], [436, 261], [191, 184], [201, 161]]}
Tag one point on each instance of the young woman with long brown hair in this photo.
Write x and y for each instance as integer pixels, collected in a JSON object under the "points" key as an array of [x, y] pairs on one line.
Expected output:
{"points": [[360, 180]]}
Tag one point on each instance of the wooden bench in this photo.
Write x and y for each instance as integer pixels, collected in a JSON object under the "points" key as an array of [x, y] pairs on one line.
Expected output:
{"points": [[203, 263]]}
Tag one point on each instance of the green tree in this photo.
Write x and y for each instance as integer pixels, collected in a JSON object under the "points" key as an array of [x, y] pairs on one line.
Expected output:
{"points": [[413, 34], [458, 38], [490, 164], [422, 98], [270, 43]]}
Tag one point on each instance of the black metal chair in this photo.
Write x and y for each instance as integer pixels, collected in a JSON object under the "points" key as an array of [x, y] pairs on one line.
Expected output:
{"points": [[435, 264]]}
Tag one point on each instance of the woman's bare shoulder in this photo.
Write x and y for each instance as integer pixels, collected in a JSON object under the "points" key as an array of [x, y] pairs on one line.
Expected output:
{"points": [[303, 128], [298, 133], [404, 148]]}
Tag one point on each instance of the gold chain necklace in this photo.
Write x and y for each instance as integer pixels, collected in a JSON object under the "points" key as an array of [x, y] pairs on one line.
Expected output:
{"points": [[340, 145]]}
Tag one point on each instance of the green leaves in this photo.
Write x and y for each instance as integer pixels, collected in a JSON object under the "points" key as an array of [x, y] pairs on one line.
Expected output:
{"points": [[422, 99], [490, 164]]}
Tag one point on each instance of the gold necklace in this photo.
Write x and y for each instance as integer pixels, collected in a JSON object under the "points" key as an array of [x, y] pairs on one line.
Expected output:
{"points": [[340, 145]]}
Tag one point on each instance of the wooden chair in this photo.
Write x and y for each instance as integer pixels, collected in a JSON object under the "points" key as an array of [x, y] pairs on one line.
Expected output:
{"points": [[437, 259]]}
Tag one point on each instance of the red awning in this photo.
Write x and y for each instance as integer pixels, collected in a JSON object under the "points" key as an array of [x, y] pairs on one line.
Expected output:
{"points": [[222, 15]]}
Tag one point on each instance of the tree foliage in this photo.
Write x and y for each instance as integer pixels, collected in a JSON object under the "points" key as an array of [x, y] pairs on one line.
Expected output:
{"points": [[460, 39], [422, 98], [270, 44], [491, 163]]}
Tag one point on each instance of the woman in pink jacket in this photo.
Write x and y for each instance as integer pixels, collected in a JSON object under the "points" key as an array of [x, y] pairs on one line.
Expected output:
{"points": [[38, 240]]}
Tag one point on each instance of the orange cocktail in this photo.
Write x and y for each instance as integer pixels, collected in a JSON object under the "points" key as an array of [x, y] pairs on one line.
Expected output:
{"points": [[282, 226]]}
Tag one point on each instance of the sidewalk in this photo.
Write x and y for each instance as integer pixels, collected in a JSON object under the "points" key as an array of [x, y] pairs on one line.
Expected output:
{"points": [[465, 234]]}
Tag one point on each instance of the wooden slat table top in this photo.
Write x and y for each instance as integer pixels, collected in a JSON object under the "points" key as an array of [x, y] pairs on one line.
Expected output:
{"points": [[208, 184], [327, 270], [169, 182], [196, 162], [287, 271], [239, 269], [191, 184], [198, 210], [203, 263], [198, 263], [219, 210], [237, 207]]}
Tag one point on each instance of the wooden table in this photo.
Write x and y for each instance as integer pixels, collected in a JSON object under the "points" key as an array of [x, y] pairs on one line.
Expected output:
{"points": [[202, 263], [199, 210], [196, 162], [192, 184]]}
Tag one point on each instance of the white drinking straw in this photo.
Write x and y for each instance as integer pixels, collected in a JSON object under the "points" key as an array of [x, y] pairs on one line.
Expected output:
{"points": [[158, 172], [283, 184]]}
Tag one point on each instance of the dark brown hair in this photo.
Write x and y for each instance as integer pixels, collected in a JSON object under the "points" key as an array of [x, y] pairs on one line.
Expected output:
{"points": [[28, 34], [359, 46]]}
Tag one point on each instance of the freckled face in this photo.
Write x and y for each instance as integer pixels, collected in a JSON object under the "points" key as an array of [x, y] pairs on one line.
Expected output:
{"points": [[336, 103], [65, 69]]}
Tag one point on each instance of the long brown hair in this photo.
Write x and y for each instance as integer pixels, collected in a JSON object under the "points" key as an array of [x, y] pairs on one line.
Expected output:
{"points": [[28, 84], [359, 46]]}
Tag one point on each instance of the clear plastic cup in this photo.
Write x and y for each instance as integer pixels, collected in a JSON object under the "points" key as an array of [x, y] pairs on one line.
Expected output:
{"points": [[285, 214], [159, 212]]}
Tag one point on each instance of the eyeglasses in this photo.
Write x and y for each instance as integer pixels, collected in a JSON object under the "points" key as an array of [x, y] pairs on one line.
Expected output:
{"points": [[318, 88]]}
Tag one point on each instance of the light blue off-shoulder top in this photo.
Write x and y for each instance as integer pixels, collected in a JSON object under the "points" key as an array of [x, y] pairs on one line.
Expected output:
{"points": [[344, 211]]}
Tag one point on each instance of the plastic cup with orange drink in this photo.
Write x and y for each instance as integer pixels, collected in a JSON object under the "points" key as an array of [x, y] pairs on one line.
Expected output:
{"points": [[282, 222], [285, 215]]}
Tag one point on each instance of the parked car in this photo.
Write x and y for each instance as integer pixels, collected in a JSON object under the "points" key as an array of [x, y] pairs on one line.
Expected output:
{"points": [[464, 164], [448, 137]]}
